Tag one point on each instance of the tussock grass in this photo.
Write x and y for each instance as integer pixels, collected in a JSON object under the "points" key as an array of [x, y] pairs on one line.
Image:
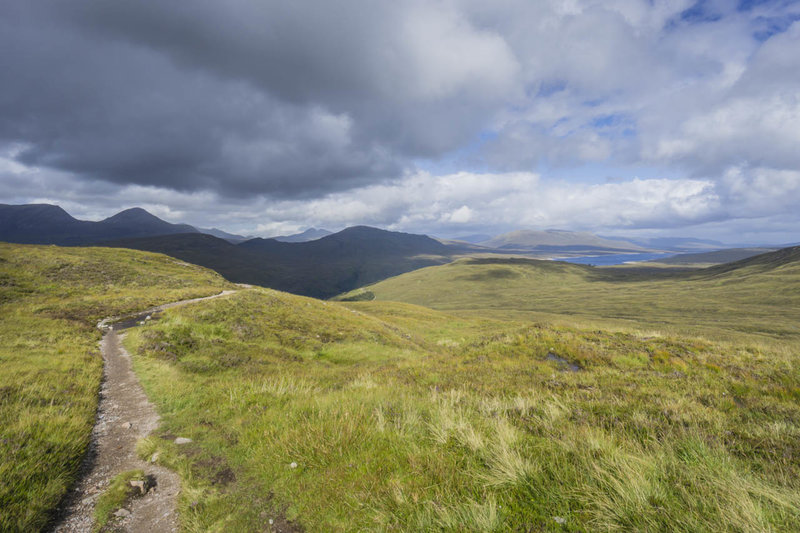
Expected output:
{"points": [[50, 364], [392, 429]]}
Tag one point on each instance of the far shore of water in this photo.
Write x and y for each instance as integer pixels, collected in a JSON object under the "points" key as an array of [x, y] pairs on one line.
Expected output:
{"points": [[613, 259]]}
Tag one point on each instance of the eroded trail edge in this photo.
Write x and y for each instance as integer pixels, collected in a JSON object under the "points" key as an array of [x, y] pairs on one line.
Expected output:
{"points": [[124, 416]]}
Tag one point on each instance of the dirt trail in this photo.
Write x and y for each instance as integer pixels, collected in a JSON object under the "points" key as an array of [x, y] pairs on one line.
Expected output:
{"points": [[124, 416]]}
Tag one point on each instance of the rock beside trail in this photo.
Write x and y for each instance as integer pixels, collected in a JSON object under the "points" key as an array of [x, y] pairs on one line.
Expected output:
{"points": [[122, 513], [140, 484], [183, 440]]}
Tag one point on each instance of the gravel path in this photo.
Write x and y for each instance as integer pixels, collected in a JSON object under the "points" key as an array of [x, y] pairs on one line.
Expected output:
{"points": [[124, 416]]}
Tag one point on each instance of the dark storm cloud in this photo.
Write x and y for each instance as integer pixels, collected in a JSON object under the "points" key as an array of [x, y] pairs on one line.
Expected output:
{"points": [[269, 116], [239, 97]]}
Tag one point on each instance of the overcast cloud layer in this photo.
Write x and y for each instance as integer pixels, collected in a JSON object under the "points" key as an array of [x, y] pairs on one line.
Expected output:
{"points": [[622, 116]]}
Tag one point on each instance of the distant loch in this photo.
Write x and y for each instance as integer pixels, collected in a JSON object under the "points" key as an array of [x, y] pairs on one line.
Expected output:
{"points": [[613, 259]]}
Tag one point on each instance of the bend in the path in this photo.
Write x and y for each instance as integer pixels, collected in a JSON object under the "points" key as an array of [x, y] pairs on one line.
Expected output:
{"points": [[124, 416]]}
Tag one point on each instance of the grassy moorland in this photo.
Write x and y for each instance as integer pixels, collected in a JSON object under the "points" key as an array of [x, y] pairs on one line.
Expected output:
{"points": [[50, 366], [376, 415], [388, 416], [757, 299]]}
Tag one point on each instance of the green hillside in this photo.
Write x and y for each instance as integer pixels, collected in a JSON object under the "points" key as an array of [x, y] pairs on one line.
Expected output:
{"points": [[758, 297], [384, 416], [50, 366], [329, 416], [716, 257]]}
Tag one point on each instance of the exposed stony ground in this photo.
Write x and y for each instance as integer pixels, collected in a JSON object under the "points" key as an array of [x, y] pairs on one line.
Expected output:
{"points": [[125, 415]]}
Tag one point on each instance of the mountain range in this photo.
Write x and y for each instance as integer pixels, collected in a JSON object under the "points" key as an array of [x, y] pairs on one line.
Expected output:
{"points": [[320, 268], [230, 237], [50, 224], [314, 263]]}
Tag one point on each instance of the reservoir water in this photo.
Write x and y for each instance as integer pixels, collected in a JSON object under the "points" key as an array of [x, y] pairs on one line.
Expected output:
{"points": [[614, 259]]}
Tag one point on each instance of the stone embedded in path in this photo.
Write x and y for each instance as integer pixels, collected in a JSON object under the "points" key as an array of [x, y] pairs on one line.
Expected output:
{"points": [[183, 440], [122, 513], [140, 484]]}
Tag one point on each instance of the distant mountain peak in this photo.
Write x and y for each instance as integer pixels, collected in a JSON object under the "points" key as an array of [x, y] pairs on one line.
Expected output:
{"points": [[134, 214], [364, 229], [222, 234], [37, 210], [555, 238], [50, 224], [377, 233], [311, 234]]}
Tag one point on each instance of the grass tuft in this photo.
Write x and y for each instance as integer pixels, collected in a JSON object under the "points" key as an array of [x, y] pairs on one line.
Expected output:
{"points": [[116, 496]]}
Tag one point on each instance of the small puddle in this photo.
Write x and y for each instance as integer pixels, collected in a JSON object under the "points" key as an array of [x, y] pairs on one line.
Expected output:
{"points": [[563, 364]]}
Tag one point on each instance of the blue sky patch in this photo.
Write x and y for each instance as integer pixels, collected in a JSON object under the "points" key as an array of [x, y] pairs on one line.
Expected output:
{"points": [[766, 27], [701, 12]]}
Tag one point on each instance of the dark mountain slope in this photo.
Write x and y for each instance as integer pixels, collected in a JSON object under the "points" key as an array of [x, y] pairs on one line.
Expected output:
{"points": [[357, 241], [137, 222], [321, 268], [351, 258], [40, 224], [49, 224], [234, 263]]}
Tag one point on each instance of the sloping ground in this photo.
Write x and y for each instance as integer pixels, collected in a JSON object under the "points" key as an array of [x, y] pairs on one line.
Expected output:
{"points": [[50, 366], [713, 258], [379, 415], [784, 258], [758, 296], [386, 416], [236, 264]]}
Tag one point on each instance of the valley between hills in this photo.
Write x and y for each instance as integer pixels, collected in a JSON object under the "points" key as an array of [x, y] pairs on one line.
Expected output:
{"points": [[478, 393]]}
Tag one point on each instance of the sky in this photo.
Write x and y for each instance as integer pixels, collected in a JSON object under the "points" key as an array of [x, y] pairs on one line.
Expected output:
{"points": [[638, 118]]}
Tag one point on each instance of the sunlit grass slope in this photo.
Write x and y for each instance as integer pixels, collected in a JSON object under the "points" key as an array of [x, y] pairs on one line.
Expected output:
{"points": [[756, 297], [50, 366], [383, 416]]}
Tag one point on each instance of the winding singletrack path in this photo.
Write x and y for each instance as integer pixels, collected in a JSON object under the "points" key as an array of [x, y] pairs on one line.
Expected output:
{"points": [[124, 416]]}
